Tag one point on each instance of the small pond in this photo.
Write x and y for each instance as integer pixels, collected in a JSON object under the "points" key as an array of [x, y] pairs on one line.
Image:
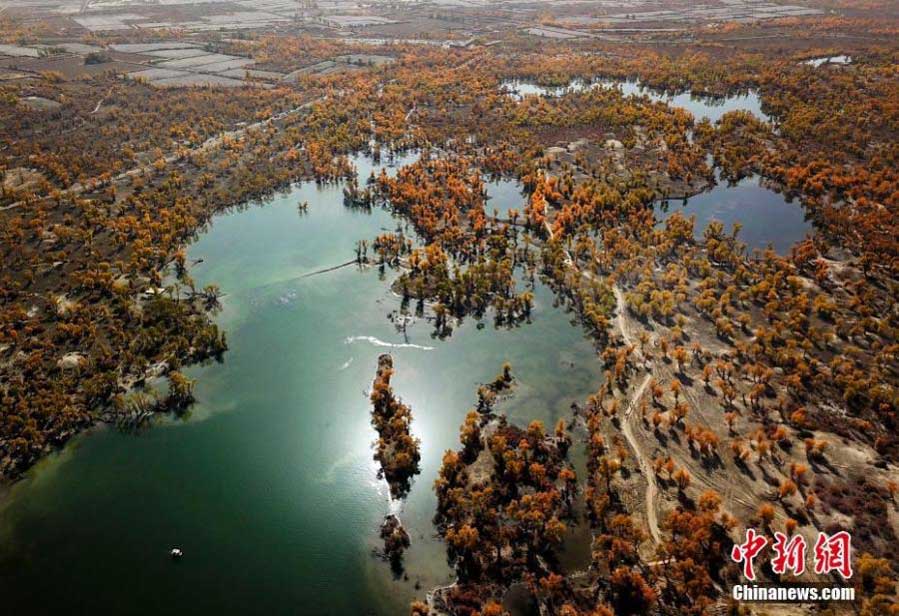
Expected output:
{"points": [[767, 216]]}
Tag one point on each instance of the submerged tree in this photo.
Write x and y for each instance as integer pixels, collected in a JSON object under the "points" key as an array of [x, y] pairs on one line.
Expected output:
{"points": [[396, 540]]}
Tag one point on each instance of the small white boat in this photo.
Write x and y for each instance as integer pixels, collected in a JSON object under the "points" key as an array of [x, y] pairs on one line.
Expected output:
{"points": [[176, 553]]}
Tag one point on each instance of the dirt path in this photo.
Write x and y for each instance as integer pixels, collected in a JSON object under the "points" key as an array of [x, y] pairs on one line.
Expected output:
{"points": [[620, 305], [100, 102], [645, 468], [620, 308], [626, 428]]}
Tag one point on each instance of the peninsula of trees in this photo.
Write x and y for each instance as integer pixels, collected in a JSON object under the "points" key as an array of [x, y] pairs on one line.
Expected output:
{"points": [[396, 450]]}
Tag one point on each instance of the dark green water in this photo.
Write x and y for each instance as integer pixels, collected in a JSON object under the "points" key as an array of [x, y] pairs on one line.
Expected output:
{"points": [[268, 485]]}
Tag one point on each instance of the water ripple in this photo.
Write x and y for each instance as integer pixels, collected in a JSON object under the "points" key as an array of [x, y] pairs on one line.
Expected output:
{"points": [[381, 343]]}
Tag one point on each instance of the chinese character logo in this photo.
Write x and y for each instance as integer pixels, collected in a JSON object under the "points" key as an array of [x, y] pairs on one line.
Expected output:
{"points": [[789, 554], [831, 553], [746, 552]]}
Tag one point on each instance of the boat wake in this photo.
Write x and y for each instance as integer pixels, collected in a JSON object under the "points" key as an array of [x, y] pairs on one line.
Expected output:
{"points": [[381, 343]]}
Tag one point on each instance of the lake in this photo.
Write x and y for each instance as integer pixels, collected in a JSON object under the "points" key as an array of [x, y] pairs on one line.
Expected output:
{"points": [[268, 485], [766, 216]]}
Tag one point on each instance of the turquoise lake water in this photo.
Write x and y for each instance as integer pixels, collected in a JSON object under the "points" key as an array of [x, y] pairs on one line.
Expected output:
{"points": [[268, 486]]}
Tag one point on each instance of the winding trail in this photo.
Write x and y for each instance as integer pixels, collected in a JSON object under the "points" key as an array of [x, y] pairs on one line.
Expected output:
{"points": [[620, 307], [651, 487], [100, 102], [626, 427]]}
